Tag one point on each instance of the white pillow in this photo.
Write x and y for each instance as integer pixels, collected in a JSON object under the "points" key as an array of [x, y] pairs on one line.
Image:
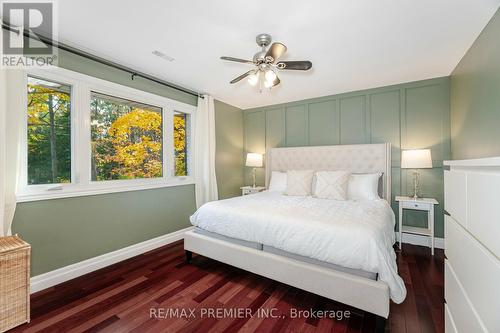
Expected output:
{"points": [[299, 182], [331, 185], [363, 186], [278, 182]]}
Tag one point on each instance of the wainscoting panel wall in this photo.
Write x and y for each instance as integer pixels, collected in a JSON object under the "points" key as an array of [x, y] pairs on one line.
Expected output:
{"points": [[410, 115], [353, 120], [296, 129], [323, 120]]}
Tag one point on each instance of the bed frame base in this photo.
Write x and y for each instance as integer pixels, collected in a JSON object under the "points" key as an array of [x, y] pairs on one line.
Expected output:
{"points": [[362, 293]]}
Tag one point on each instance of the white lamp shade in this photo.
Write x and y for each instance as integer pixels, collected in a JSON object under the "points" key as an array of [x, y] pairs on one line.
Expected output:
{"points": [[416, 159], [254, 160]]}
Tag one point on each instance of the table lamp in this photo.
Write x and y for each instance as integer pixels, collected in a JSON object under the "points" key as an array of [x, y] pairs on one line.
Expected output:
{"points": [[416, 159], [254, 160]]}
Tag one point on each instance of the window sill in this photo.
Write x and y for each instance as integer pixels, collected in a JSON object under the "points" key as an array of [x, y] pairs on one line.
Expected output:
{"points": [[80, 191]]}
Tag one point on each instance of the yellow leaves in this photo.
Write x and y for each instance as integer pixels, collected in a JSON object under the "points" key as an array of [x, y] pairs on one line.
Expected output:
{"points": [[38, 103], [131, 146], [179, 133], [137, 153], [143, 120], [180, 144], [137, 140]]}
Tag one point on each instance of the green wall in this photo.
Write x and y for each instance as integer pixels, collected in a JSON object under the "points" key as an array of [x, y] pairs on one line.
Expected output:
{"points": [[65, 231], [411, 115], [229, 152], [475, 97]]}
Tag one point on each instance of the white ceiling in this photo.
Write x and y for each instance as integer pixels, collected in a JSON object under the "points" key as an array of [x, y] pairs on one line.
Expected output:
{"points": [[353, 45]]}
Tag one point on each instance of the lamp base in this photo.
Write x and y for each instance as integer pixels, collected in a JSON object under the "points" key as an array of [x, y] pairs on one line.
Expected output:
{"points": [[416, 185], [253, 176]]}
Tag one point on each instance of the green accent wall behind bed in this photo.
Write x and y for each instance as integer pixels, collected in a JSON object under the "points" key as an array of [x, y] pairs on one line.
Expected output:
{"points": [[410, 115], [475, 97], [229, 153], [65, 231]]}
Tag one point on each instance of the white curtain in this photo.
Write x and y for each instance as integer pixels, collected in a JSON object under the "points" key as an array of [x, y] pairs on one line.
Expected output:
{"points": [[204, 151], [11, 117]]}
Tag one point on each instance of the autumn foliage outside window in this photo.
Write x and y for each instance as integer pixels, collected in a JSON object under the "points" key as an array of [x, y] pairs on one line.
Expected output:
{"points": [[126, 139], [49, 132], [180, 143]]}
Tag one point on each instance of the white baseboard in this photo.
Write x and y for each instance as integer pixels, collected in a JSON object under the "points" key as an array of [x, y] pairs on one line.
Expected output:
{"points": [[421, 240], [72, 271]]}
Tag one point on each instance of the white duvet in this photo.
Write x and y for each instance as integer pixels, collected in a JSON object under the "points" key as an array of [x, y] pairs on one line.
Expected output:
{"points": [[354, 234]]}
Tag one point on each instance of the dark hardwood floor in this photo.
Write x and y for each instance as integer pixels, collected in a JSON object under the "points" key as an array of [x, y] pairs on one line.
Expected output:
{"points": [[127, 296]]}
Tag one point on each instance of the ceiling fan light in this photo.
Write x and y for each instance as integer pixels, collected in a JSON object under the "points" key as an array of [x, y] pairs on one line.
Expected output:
{"points": [[253, 79], [268, 84], [270, 75]]}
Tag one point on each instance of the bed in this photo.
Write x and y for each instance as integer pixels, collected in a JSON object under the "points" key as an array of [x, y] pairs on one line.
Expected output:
{"points": [[341, 250]]}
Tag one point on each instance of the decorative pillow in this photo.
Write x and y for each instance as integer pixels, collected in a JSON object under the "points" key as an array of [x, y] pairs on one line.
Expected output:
{"points": [[278, 182], [299, 182], [363, 186], [331, 185]]}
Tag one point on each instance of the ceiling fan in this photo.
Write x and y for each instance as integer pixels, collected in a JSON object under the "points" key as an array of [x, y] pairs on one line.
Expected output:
{"points": [[266, 63]]}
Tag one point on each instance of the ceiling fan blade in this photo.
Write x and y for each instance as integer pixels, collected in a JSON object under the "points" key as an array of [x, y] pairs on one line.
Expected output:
{"points": [[276, 81], [237, 60], [276, 50], [295, 65], [241, 77]]}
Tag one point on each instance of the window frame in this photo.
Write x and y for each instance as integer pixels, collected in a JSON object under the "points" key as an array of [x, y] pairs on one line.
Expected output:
{"points": [[81, 184]]}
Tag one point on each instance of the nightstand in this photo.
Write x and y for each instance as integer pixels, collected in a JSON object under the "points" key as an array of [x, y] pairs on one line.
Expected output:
{"points": [[246, 190], [425, 204]]}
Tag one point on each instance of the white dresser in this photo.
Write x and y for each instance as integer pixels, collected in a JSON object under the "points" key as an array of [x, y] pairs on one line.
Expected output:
{"points": [[472, 245]]}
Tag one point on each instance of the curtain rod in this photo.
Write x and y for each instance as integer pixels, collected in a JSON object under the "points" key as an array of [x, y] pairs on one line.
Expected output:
{"points": [[103, 61]]}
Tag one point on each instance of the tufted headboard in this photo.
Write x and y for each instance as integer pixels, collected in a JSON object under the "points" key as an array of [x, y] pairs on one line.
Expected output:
{"points": [[364, 158]]}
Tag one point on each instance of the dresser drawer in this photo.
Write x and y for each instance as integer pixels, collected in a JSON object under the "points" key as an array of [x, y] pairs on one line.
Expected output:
{"points": [[415, 205], [463, 314], [455, 195], [483, 209], [478, 271]]}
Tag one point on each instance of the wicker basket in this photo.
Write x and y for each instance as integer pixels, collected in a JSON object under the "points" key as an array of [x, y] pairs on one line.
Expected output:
{"points": [[14, 282]]}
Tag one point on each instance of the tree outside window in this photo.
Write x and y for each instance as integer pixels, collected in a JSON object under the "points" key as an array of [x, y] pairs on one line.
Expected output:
{"points": [[180, 144], [49, 132], [126, 139]]}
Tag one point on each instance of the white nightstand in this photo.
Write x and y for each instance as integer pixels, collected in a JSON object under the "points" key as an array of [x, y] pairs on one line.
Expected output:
{"points": [[246, 190], [426, 204]]}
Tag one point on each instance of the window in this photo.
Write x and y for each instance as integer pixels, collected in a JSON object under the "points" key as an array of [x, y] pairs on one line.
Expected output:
{"points": [[181, 143], [48, 132], [86, 136], [126, 139]]}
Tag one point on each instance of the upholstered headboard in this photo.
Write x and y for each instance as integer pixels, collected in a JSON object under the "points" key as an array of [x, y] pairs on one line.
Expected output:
{"points": [[364, 158]]}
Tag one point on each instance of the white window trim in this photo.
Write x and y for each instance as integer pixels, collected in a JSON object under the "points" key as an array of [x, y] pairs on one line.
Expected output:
{"points": [[81, 185]]}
